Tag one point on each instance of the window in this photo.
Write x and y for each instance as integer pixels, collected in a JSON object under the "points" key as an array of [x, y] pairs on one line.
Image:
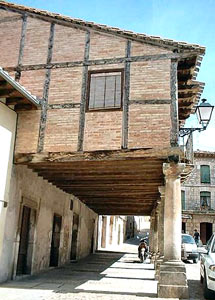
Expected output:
{"points": [[205, 174], [105, 89], [205, 199], [182, 200]]}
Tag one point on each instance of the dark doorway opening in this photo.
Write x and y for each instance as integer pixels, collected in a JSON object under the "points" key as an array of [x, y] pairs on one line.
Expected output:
{"points": [[75, 224], [183, 227], [55, 244], [26, 243], [205, 231]]}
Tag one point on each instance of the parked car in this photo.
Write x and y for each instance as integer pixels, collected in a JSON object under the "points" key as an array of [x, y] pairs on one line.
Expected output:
{"points": [[207, 268], [188, 248]]}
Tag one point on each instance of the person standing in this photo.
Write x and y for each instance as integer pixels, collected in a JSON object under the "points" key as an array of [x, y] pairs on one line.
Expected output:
{"points": [[196, 237]]}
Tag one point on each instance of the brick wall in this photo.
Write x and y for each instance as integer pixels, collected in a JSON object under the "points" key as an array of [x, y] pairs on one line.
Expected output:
{"points": [[144, 49], [27, 131], [69, 44], [149, 126], [62, 130], [33, 81], [105, 46], [10, 33], [103, 130], [150, 80], [36, 42], [65, 86]]}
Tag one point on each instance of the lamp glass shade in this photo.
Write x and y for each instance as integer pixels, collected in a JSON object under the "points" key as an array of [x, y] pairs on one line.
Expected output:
{"points": [[204, 112]]}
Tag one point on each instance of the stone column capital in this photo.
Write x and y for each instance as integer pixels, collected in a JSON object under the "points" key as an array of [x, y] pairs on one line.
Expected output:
{"points": [[173, 170]]}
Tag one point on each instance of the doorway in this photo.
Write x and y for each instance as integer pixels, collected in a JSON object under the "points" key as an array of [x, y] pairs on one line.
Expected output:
{"points": [[25, 253], [205, 232], [183, 227], [55, 243], [75, 224]]}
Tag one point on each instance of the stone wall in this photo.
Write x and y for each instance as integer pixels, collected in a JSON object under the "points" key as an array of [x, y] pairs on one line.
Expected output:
{"points": [[193, 186], [45, 200], [194, 216]]}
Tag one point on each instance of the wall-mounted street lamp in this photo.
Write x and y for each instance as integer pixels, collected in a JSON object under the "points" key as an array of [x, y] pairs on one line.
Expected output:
{"points": [[204, 113]]}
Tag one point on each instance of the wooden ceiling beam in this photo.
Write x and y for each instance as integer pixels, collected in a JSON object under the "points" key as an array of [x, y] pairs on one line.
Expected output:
{"points": [[101, 178], [155, 155], [120, 196], [5, 93], [124, 212], [107, 186], [129, 201], [15, 100]]}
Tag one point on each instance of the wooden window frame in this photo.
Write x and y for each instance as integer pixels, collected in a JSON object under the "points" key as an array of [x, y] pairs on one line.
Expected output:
{"points": [[208, 199], [88, 90], [201, 175]]}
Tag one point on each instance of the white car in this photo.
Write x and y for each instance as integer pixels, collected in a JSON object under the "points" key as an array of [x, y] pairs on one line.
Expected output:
{"points": [[188, 248], [207, 268]]}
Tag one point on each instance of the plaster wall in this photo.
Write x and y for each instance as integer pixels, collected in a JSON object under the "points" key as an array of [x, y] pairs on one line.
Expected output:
{"points": [[117, 231], [35, 192], [7, 135]]}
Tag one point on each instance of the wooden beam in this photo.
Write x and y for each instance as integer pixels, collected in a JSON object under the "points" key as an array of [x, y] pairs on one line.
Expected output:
{"points": [[20, 107], [117, 60], [83, 93], [48, 158], [126, 97], [4, 93], [43, 117], [174, 110], [10, 19], [15, 100]]}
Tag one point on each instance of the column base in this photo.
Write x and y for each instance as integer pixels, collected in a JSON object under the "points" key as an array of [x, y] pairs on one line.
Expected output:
{"points": [[173, 280], [158, 262]]}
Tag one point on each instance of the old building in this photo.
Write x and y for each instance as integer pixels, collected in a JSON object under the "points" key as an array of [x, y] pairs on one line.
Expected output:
{"points": [[111, 231], [198, 196], [102, 127]]}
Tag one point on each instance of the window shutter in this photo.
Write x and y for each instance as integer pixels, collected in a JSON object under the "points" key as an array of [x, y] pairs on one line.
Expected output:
{"points": [[183, 200], [105, 90], [205, 174]]}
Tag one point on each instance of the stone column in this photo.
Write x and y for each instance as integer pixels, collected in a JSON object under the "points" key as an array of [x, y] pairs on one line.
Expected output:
{"points": [[151, 240], [160, 211], [172, 211], [172, 277], [161, 221]]}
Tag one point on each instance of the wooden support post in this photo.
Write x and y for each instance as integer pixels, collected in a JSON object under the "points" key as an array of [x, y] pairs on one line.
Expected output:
{"points": [[126, 97], [46, 92], [21, 47], [174, 104], [83, 93]]}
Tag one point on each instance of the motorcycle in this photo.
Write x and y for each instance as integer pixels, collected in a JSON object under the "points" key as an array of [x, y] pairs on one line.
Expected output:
{"points": [[143, 251]]}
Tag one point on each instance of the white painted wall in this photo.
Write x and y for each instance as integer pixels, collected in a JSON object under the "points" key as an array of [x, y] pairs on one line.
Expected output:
{"points": [[7, 136]]}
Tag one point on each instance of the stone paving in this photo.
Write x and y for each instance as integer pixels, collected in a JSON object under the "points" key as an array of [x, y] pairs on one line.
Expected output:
{"points": [[104, 275]]}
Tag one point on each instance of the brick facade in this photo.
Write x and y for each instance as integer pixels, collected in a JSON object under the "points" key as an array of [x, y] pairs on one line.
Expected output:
{"points": [[149, 80]]}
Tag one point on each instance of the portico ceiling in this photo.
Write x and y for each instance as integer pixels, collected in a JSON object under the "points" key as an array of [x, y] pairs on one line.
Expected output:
{"points": [[110, 182]]}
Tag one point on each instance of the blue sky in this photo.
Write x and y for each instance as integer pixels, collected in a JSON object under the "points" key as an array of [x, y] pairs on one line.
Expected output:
{"points": [[192, 21]]}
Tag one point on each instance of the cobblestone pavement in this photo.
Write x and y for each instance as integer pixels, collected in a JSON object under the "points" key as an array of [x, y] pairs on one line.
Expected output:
{"points": [[105, 276]]}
